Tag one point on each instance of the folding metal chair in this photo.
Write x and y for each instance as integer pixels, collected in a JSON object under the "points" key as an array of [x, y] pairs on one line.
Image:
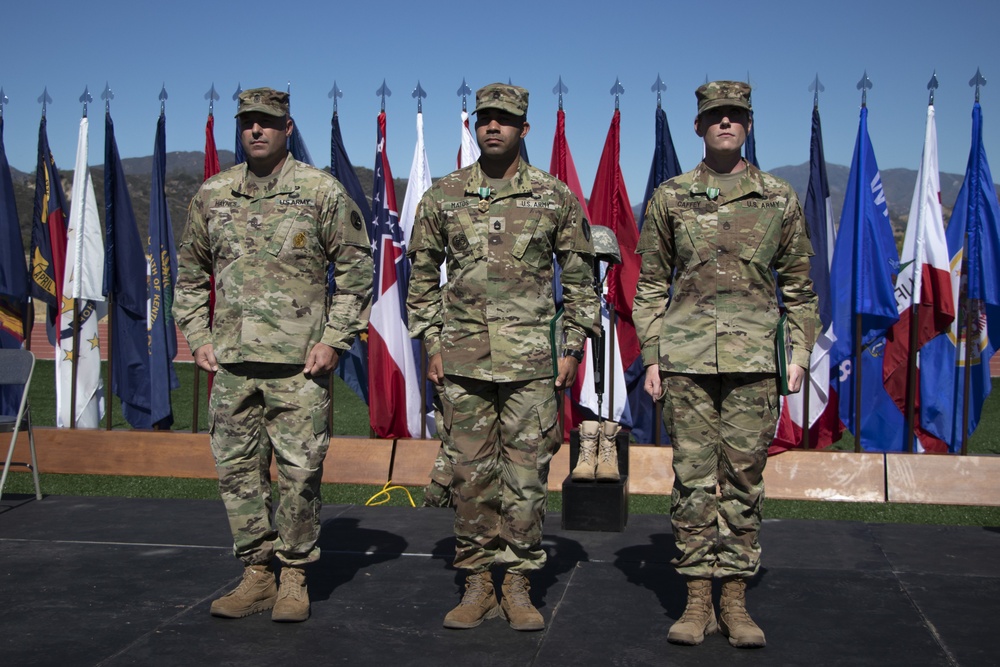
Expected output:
{"points": [[16, 367]]}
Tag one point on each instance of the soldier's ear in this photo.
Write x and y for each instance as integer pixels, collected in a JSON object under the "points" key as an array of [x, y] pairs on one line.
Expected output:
{"points": [[525, 126], [288, 126], [697, 126]]}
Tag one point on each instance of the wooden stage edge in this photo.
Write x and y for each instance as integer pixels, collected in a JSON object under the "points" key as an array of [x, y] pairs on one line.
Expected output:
{"points": [[793, 475]]}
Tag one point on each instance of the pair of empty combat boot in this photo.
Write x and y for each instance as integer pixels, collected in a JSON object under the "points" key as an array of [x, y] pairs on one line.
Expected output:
{"points": [[598, 460]]}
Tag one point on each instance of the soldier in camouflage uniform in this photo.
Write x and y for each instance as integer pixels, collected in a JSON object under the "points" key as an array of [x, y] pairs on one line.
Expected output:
{"points": [[720, 236], [267, 230], [498, 224]]}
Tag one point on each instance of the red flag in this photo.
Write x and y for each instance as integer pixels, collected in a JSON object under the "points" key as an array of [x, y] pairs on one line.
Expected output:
{"points": [[923, 284], [393, 386], [211, 169]]}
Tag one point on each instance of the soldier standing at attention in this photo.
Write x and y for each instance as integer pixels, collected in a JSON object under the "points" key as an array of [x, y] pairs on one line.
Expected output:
{"points": [[720, 236], [267, 230], [498, 223]]}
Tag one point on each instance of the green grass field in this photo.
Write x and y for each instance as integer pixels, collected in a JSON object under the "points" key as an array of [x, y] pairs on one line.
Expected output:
{"points": [[351, 418]]}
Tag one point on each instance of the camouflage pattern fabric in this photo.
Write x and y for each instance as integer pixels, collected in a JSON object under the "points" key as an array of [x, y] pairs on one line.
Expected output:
{"points": [[720, 252], [491, 319], [716, 94], [720, 427], [501, 437], [269, 248], [503, 96], [255, 407]]}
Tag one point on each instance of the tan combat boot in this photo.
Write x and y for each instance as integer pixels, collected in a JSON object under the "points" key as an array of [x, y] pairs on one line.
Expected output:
{"points": [[256, 592], [586, 463], [478, 603], [733, 617], [516, 603], [698, 619], [293, 597], [607, 453]]}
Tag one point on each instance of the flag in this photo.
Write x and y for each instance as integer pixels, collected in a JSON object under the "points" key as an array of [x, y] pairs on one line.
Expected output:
{"points": [[297, 145], [623, 367], [418, 184], [750, 148], [353, 365], [83, 280], [865, 262], [664, 166], [13, 278], [973, 239], [211, 168], [923, 283], [824, 414], [468, 152], [393, 387], [162, 258], [48, 237], [124, 264]]}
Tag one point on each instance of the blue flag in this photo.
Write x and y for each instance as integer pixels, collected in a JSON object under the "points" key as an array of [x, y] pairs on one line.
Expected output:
{"points": [[162, 257], [865, 263], [819, 218], [297, 146], [124, 266], [353, 366], [13, 278], [975, 226], [750, 148], [665, 166]]}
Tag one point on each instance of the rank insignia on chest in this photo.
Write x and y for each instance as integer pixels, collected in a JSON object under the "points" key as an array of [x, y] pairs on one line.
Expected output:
{"points": [[460, 242], [498, 225], [299, 240]]}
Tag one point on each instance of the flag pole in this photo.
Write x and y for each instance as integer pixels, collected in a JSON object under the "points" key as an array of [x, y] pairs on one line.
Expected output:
{"points": [[419, 95], [863, 85], [334, 94], [75, 366], [107, 96], [815, 88]]}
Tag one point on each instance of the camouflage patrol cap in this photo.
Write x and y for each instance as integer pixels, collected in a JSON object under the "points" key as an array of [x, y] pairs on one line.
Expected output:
{"points": [[265, 100], [723, 94], [505, 97]]}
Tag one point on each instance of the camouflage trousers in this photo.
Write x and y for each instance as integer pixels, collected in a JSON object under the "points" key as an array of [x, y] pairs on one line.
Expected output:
{"points": [[258, 410], [501, 438], [720, 427]]}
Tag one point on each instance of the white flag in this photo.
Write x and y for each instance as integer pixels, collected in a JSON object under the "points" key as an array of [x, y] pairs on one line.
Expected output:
{"points": [[469, 152], [82, 284], [419, 183]]}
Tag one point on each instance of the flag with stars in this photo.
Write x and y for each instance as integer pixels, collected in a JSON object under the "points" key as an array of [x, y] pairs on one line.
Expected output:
{"points": [[393, 386], [79, 352], [13, 278]]}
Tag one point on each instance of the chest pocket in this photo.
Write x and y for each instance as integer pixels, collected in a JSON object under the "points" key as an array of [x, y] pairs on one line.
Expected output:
{"points": [[537, 253], [465, 245], [295, 235], [222, 219], [690, 245], [762, 242]]}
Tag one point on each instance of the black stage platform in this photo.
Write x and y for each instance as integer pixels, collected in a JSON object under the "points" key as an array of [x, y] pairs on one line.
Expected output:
{"points": [[109, 581]]}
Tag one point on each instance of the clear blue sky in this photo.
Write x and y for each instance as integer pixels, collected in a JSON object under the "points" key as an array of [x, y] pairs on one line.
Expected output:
{"points": [[187, 46]]}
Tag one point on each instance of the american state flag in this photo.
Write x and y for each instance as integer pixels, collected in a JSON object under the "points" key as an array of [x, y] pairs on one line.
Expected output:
{"points": [[393, 385]]}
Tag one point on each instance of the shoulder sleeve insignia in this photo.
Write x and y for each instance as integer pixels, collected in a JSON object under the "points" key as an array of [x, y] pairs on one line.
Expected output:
{"points": [[355, 220]]}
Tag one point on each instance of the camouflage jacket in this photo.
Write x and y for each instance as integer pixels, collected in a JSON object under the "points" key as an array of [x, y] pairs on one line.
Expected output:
{"points": [[269, 252], [492, 319], [720, 255]]}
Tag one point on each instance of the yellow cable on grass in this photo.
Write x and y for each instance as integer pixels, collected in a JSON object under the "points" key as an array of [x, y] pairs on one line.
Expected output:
{"points": [[385, 491]]}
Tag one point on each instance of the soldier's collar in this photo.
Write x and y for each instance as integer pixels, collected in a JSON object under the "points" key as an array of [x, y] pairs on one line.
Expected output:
{"points": [[752, 181], [285, 181], [520, 184]]}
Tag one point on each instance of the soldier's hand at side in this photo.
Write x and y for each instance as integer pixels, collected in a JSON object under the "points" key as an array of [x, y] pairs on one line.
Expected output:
{"points": [[321, 360], [652, 383], [204, 356], [796, 374], [435, 369], [567, 372]]}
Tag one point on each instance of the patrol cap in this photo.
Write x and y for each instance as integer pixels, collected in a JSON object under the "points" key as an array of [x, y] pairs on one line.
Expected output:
{"points": [[265, 100], [723, 94], [505, 97]]}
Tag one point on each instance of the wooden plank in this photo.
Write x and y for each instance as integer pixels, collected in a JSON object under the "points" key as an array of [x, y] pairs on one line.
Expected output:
{"points": [[651, 470], [413, 460], [819, 475], [943, 479], [357, 461]]}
